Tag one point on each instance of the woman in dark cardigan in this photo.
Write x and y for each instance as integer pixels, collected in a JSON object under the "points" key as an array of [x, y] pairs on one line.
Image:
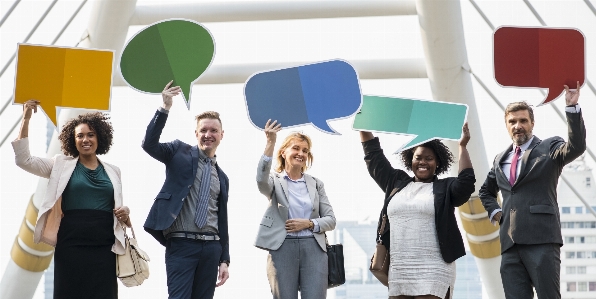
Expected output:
{"points": [[421, 232]]}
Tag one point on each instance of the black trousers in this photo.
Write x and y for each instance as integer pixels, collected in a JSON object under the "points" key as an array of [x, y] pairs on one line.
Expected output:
{"points": [[192, 268], [538, 265]]}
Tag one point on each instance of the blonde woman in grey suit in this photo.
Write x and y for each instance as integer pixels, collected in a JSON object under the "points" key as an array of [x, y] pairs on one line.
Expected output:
{"points": [[294, 225]]}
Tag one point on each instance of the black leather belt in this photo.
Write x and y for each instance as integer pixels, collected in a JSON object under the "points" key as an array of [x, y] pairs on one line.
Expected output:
{"points": [[193, 236]]}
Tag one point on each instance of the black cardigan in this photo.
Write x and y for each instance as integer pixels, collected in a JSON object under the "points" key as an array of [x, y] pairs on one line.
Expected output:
{"points": [[449, 193]]}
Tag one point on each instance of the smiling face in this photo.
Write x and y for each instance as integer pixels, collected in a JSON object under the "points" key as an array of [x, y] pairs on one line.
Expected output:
{"points": [[295, 155], [85, 140], [520, 126], [209, 134], [424, 164]]}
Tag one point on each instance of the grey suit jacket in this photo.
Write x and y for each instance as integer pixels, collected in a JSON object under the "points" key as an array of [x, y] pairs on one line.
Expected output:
{"points": [[272, 231], [530, 208]]}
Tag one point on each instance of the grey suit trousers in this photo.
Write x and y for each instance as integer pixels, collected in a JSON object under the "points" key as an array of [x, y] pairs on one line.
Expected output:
{"points": [[538, 265], [298, 265]]}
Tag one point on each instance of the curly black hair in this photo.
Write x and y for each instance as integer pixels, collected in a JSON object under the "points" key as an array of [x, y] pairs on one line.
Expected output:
{"points": [[444, 156], [98, 122]]}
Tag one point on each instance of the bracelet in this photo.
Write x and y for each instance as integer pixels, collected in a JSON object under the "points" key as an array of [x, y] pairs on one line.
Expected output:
{"points": [[311, 225], [225, 262]]}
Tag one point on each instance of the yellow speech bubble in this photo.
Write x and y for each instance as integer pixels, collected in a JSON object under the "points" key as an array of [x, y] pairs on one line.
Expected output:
{"points": [[63, 77]]}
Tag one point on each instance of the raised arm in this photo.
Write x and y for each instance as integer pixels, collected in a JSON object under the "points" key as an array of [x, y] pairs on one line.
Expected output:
{"points": [[464, 156], [378, 166], [576, 142], [38, 166], [162, 152], [463, 186], [264, 181]]}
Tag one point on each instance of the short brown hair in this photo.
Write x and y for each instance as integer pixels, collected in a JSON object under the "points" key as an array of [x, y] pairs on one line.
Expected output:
{"points": [[518, 106], [208, 115], [98, 122], [281, 162]]}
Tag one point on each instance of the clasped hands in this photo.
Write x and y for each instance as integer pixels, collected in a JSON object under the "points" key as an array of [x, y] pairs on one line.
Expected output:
{"points": [[296, 225]]}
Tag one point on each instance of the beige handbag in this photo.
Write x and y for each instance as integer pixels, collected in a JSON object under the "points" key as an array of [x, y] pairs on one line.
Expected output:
{"points": [[379, 263], [132, 267]]}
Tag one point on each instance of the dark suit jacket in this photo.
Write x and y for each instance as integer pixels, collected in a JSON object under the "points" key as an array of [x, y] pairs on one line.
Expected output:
{"points": [[448, 192], [181, 162], [530, 208]]}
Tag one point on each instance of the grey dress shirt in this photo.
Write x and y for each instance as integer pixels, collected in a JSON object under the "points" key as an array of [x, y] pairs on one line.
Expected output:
{"points": [[186, 219]]}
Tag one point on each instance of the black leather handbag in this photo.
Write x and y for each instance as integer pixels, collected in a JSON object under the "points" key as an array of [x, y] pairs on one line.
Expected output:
{"points": [[335, 259]]}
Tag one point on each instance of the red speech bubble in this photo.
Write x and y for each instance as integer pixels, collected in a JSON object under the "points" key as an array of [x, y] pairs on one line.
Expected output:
{"points": [[539, 57]]}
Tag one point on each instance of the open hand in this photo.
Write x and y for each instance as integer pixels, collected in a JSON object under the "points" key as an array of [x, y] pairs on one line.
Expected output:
{"points": [[571, 97], [168, 93], [271, 129], [223, 274]]}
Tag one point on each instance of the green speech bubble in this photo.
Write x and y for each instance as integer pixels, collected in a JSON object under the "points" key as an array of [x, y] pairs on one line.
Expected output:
{"points": [[425, 120], [175, 49]]}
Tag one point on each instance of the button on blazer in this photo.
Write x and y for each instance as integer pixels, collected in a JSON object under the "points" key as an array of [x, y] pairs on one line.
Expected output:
{"points": [[272, 231]]}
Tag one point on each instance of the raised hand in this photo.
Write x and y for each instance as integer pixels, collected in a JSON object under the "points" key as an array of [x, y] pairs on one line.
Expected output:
{"points": [[271, 129], [571, 97], [465, 136], [168, 93], [28, 107]]}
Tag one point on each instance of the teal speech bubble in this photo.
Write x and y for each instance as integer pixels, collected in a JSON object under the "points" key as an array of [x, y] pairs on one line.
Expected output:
{"points": [[426, 120], [175, 49]]}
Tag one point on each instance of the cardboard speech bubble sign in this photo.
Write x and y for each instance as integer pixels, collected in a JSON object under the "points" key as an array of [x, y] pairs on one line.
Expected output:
{"points": [[175, 49], [425, 120], [62, 77], [308, 94], [539, 58]]}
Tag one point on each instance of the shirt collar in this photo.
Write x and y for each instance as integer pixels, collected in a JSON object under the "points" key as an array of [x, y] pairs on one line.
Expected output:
{"points": [[203, 156], [524, 146], [284, 174]]}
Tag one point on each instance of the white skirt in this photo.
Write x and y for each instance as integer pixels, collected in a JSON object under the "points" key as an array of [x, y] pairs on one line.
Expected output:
{"points": [[417, 266]]}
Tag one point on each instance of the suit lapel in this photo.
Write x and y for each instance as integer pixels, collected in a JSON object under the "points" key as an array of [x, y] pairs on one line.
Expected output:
{"points": [[526, 155], [115, 182], [284, 186], [502, 156], [311, 186], [65, 174]]}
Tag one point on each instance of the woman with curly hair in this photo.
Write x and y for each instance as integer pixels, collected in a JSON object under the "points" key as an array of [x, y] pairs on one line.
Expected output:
{"points": [[82, 207], [417, 223]]}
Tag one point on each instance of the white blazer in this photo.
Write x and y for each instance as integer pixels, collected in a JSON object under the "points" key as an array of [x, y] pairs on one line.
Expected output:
{"points": [[272, 231], [58, 170]]}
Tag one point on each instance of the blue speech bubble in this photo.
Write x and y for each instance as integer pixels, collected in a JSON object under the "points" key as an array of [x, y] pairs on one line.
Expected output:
{"points": [[314, 93]]}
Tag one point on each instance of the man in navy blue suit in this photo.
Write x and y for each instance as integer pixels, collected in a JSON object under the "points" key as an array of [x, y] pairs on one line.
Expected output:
{"points": [[190, 214]]}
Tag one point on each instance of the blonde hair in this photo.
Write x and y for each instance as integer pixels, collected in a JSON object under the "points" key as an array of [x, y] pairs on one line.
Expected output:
{"points": [[281, 162]]}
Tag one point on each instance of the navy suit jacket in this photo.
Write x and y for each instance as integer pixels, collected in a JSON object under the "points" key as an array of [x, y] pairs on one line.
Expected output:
{"points": [[181, 162]]}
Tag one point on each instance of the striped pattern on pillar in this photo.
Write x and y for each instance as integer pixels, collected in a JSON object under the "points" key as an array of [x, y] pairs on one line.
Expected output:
{"points": [[483, 237], [25, 253]]}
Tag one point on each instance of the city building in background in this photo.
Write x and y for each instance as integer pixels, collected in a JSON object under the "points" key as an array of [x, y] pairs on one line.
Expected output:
{"points": [[578, 254]]}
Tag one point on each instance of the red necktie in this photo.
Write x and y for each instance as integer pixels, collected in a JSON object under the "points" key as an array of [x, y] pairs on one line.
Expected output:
{"points": [[513, 169]]}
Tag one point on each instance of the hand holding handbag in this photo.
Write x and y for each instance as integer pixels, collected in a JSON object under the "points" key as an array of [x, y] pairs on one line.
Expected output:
{"points": [[335, 259], [132, 267], [379, 263]]}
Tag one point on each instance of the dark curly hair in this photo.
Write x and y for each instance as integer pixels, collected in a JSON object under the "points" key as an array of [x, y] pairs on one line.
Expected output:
{"points": [[98, 122], [444, 156]]}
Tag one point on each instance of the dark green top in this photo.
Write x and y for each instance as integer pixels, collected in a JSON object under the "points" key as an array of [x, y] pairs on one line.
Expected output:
{"points": [[88, 189]]}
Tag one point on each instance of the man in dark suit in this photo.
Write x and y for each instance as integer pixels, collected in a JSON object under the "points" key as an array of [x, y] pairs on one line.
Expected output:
{"points": [[189, 215], [527, 174]]}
